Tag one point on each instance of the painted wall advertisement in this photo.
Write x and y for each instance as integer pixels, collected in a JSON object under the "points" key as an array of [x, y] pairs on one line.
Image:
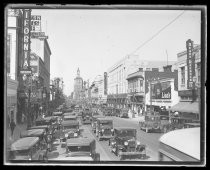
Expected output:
{"points": [[161, 90], [190, 64]]}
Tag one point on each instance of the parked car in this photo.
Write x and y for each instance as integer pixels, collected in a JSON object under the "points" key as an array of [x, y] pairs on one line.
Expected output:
{"points": [[124, 144], [94, 121], [104, 128], [45, 139], [155, 123], [124, 113], [80, 149], [70, 129], [28, 148]]}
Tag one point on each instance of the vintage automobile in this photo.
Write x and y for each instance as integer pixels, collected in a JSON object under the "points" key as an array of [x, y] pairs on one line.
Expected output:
{"points": [[57, 113], [68, 110], [124, 144], [80, 149], [69, 129], [86, 117], [107, 111], [104, 128], [155, 123], [28, 148], [124, 113], [69, 117], [191, 125], [116, 112], [94, 121], [70, 113], [45, 138]]}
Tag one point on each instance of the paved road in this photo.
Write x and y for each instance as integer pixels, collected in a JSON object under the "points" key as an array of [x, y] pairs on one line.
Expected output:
{"points": [[150, 139]]}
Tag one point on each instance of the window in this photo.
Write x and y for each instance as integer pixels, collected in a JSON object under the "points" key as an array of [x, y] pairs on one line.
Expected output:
{"points": [[141, 85], [182, 75], [199, 72], [9, 41]]}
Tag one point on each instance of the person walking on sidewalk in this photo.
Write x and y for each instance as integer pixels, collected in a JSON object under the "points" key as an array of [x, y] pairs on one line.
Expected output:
{"points": [[12, 126]]}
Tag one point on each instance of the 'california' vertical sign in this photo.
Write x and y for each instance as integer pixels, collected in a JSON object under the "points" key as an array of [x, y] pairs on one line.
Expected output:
{"points": [[26, 41]]}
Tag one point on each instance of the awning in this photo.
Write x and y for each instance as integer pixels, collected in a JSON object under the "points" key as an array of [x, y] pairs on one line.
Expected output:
{"points": [[191, 107]]}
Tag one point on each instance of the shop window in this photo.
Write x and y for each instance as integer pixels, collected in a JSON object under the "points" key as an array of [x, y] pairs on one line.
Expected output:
{"points": [[182, 75]]}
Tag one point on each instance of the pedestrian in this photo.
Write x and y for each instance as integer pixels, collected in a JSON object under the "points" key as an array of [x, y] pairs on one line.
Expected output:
{"points": [[12, 126]]}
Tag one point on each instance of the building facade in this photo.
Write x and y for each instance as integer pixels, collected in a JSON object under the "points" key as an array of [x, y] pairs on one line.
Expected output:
{"points": [[78, 86], [189, 74]]}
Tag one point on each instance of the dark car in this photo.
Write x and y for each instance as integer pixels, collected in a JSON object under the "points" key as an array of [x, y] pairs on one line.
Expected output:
{"points": [[86, 117], [124, 113], [80, 149], [70, 129], [116, 112], [69, 117], [28, 148], [124, 144], [104, 128], [94, 121]]}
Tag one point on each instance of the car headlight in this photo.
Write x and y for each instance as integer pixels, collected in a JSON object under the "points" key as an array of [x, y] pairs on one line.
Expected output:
{"points": [[138, 143], [102, 130], [125, 143], [75, 134], [113, 143], [112, 130], [29, 158], [66, 135]]}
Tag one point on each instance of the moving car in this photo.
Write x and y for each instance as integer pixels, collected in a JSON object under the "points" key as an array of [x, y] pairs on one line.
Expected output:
{"points": [[69, 117], [94, 121], [70, 129], [124, 144], [104, 128], [86, 117], [124, 113], [80, 149], [155, 123], [28, 148], [180, 145]]}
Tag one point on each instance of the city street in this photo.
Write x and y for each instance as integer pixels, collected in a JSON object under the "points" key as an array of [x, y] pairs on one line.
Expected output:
{"points": [[149, 139]]}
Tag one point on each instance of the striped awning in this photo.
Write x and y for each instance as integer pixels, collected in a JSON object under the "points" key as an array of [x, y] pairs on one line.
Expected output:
{"points": [[190, 107]]}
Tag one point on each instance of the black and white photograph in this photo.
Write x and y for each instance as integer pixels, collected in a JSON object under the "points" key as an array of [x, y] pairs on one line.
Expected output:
{"points": [[105, 85]]}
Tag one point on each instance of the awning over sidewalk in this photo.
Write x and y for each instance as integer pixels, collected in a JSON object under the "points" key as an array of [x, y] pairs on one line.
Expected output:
{"points": [[185, 107]]}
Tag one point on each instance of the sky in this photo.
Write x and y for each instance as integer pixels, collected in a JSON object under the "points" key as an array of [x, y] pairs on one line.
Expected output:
{"points": [[94, 40]]}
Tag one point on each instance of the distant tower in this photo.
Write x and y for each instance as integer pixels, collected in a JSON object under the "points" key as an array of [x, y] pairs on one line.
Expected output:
{"points": [[78, 86]]}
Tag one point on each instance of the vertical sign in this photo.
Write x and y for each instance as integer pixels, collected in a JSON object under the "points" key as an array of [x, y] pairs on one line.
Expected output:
{"points": [[190, 64], [35, 23], [105, 83], [26, 41]]}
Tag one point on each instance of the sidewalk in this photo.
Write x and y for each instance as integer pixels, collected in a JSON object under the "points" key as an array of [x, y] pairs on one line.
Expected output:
{"points": [[16, 134]]}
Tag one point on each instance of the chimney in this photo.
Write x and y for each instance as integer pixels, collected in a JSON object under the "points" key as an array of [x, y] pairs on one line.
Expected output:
{"points": [[167, 68]]}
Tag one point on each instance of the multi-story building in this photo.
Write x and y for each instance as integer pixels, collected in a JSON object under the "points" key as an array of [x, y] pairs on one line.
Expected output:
{"points": [[118, 74], [78, 86], [189, 79], [13, 52]]}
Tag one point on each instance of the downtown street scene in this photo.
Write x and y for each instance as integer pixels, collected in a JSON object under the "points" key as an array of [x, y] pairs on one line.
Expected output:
{"points": [[104, 86]]}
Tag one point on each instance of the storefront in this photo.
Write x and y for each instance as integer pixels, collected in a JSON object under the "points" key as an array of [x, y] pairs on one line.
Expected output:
{"points": [[11, 100]]}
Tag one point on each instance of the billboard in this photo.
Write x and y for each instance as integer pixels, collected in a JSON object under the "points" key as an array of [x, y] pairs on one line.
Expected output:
{"points": [[190, 64], [161, 90]]}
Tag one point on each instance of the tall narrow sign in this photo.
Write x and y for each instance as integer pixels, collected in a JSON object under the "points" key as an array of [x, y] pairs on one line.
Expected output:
{"points": [[26, 41], [190, 63], [105, 83]]}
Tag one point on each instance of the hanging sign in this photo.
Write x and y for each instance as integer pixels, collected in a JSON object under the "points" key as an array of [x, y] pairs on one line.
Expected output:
{"points": [[26, 42], [190, 64], [35, 23]]}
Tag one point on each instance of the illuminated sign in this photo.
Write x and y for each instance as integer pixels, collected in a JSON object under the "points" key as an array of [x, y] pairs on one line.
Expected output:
{"points": [[190, 64], [38, 35], [161, 90], [26, 41]]}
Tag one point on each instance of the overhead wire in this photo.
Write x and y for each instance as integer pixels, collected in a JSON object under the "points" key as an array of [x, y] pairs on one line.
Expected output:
{"points": [[156, 34]]}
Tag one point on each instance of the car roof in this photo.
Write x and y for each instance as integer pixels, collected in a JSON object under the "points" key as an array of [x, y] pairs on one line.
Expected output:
{"points": [[24, 143], [69, 122], [124, 128], [79, 141], [39, 127], [104, 118], [57, 113], [185, 140], [32, 132], [70, 116]]}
